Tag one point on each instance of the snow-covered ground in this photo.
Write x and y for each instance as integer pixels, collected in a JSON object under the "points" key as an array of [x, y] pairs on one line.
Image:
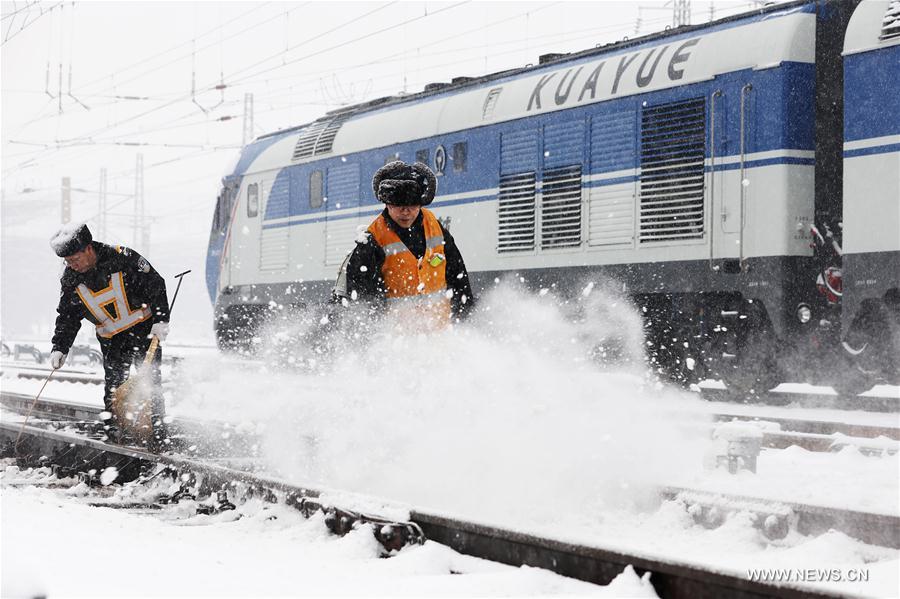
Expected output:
{"points": [[55, 545], [513, 425]]}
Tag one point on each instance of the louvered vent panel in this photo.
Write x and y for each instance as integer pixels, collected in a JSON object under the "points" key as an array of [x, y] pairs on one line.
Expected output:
{"points": [[563, 144], [273, 248], [673, 147], [890, 24], [516, 213], [611, 215], [318, 137], [342, 187], [326, 139], [342, 193], [561, 207], [613, 137], [519, 152], [340, 238], [274, 242]]}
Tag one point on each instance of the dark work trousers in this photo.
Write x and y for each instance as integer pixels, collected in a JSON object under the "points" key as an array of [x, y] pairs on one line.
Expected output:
{"points": [[119, 353]]}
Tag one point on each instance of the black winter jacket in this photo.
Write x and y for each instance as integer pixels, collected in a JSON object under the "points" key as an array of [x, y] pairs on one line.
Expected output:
{"points": [[143, 286], [364, 280]]}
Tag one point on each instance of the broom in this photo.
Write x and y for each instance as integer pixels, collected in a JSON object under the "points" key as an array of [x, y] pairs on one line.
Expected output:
{"points": [[132, 404]]}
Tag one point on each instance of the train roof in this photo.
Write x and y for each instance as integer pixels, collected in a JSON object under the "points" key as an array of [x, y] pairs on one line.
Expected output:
{"points": [[875, 24], [758, 39]]}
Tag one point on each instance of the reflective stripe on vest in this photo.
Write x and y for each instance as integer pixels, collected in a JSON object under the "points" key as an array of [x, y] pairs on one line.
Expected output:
{"points": [[405, 276], [96, 302]]}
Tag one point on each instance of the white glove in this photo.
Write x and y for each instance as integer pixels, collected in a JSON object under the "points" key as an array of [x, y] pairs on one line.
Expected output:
{"points": [[160, 329], [57, 359]]}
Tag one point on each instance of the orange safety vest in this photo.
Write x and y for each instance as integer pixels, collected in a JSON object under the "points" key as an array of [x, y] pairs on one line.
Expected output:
{"points": [[410, 282]]}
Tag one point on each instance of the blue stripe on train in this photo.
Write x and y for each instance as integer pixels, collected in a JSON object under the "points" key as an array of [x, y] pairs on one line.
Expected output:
{"points": [[885, 149], [488, 197]]}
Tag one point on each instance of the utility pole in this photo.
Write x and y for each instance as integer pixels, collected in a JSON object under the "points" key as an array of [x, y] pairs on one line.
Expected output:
{"points": [[101, 216], [248, 119], [681, 13], [66, 207]]}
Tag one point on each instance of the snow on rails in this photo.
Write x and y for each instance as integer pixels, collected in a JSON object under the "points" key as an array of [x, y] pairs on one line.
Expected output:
{"points": [[59, 436], [215, 488]]}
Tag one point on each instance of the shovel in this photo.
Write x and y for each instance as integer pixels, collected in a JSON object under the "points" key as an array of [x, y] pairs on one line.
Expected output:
{"points": [[132, 404]]}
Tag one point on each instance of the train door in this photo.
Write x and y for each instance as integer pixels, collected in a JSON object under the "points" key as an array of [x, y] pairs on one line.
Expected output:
{"points": [[341, 196], [245, 231], [728, 181]]}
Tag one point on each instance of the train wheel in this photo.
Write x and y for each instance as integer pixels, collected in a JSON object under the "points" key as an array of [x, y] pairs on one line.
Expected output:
{"points": [[871, 348], [749, 366], [237, 328]]}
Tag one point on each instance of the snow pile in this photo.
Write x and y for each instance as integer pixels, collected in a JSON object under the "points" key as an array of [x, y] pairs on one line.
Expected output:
{"points": [[533, 413]]}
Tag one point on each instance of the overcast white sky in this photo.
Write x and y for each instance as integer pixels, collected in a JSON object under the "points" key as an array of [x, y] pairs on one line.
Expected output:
{"points": [[133, 66]]}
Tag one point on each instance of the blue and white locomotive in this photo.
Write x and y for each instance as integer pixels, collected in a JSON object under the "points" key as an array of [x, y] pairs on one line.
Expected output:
{"points": [[699, 168]]}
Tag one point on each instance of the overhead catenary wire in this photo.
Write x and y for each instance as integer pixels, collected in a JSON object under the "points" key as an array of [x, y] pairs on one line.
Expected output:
{"points": [[118, 137], [386, 58], [184, 97], [9, 34]]}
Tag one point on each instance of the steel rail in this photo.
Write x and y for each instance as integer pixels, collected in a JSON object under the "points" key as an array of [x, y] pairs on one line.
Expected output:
{"points": [[866, 403], [871, 528], [671, 579], [814, 435], [816, 427], [204, 437]]}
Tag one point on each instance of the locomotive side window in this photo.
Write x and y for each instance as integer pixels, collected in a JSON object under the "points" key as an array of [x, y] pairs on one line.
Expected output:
{"points": [[460, 151], [252, 200], [217, 214], [422, 156], [673, 149], [223, 209], [316, 189]]}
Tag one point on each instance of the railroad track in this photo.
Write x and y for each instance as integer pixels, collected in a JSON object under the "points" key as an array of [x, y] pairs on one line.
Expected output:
{"points": [[199, 437], [240, 451], [216, 486], [866, 403], [771, 398], [42, 372], [777, 433]]}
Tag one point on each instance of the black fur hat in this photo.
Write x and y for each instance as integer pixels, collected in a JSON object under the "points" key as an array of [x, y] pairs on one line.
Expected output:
{"points": [[71, 239], [404, 184]]}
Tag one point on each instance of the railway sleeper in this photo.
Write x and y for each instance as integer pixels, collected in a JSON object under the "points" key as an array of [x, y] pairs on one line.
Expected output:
{"points": [[775, 519], [157, 482]]}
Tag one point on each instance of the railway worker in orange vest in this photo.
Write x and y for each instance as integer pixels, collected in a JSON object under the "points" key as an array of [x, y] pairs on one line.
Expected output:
{"points": [[407, 260], [125, 298]]}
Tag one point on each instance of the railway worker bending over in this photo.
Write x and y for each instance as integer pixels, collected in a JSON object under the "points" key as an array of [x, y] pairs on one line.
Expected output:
{"points": [[407, 260], [116, 289]]}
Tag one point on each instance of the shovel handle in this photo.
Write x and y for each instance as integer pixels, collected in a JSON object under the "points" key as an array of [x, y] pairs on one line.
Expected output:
{"points": [[151, 351]]}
